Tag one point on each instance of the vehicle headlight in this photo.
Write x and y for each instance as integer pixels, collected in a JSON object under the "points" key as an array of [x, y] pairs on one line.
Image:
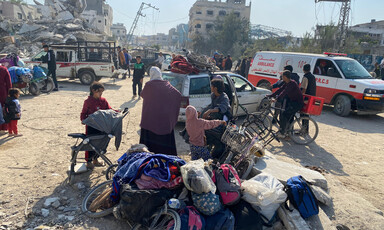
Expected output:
{"points": [[371, 91], [373, 94]]}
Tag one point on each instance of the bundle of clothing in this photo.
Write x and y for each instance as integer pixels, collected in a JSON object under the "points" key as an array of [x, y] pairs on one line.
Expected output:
{"points": [[12, 59], [181, 65]]}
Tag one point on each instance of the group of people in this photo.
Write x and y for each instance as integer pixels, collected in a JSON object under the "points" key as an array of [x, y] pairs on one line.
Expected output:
{"points": [[243, 65], [124, 60], [160, 111], [223, 63], [160, 99], [289, 95]]}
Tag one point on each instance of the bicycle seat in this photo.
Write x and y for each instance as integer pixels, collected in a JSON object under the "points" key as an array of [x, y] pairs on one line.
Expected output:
{"points": [[77, 135]]}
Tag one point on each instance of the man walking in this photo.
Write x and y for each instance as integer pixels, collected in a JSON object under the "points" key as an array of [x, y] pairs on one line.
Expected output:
{"points": [[159, 61], [128, 59], [228, 63], [121, 57], [308, 86], [138, 75], [50, 59]]}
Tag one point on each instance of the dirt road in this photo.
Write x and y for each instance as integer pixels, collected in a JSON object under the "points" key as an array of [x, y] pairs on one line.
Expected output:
{"points": [[33, 167]]}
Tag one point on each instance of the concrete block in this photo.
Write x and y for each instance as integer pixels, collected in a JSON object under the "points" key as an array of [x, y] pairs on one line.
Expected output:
{"points": [[283, 171], [292, 220], [321, 195]]}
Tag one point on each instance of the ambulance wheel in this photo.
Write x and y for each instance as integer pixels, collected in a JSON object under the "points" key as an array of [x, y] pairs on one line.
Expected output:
{"points": [[87, 77], [265, 85], [342, 106]]}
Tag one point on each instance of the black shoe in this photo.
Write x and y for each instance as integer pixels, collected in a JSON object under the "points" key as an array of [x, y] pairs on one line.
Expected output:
{"points": [[55, 89]]}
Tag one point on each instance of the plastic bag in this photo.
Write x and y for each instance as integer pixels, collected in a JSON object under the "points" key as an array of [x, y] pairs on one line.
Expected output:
{"points": [[196, 179], [265, 193]]}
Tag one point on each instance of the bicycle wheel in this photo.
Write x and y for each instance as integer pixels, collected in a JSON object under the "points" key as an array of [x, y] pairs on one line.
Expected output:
{"points": [[303, 130], [96, 203], [245, 167], [257, 124], [162, 220], [49, 85], [110, 172]]}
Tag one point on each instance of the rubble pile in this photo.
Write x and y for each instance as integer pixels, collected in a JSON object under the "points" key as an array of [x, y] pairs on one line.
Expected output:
{"points": [[61, 23]]}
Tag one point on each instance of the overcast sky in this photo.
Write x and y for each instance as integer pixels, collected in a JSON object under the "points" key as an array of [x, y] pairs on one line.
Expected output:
{"points": [[297, 16]]}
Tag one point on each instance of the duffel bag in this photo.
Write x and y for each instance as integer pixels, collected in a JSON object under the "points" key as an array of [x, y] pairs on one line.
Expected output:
{"points": [[137, 206]]}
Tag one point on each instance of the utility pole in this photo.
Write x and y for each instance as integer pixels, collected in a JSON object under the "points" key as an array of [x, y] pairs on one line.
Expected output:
{"points": [[139, 13], [342, 25]]}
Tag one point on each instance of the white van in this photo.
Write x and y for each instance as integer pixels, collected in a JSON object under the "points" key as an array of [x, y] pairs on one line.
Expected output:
{"points": [[341, 81]]}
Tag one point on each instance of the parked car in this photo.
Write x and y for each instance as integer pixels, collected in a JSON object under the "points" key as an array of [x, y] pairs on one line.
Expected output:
{"points": [[88, 61], [196, 91]]}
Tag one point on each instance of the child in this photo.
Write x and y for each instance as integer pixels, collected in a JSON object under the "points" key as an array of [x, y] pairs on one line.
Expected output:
{"points": [[12, 111], [138, 75], [93, 103], [195, 127]]}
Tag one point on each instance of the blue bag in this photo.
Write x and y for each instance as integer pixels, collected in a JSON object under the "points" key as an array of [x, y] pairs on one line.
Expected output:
{"points": [[222, 220], [301, 196], [38, 72], [22, 71], [12, 71]]}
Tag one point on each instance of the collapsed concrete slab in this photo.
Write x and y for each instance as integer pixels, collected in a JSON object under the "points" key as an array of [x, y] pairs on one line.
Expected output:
{"points": [[292, 220], [321, 195], [283, 171], [320, 221], [29, 27]]}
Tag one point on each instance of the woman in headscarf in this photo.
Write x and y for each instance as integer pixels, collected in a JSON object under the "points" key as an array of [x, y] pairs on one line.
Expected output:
{"points": [[161, 105], [5, 85]]}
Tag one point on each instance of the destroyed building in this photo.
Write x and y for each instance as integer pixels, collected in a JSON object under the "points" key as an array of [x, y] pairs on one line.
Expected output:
{"points": [[24, 27]]}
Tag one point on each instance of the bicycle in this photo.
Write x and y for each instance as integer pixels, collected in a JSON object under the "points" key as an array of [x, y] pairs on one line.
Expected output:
{"points": [[96, 204], [245, 141], [302, 130]]}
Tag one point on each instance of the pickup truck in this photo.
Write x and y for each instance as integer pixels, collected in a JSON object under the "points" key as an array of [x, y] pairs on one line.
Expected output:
{"points": [[88, 61], [148, 57]]}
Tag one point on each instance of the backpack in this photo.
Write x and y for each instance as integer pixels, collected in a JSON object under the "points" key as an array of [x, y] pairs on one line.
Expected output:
{"points": [[301, 196], [190, 219], [246, 217], [228, 184], [207, 203], [222, 220]]}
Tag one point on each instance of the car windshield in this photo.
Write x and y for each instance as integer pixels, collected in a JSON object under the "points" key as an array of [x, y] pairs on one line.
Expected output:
{"points": [[176, 80], [352, 69]]}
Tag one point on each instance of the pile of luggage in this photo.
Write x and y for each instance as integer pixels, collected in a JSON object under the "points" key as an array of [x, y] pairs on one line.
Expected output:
{"points": [[192, 64], [206, 195], [26, 75]]}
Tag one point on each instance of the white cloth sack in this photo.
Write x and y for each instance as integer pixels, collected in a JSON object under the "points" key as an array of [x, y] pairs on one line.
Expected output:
{"points": [[265, 193], [196, 179]]}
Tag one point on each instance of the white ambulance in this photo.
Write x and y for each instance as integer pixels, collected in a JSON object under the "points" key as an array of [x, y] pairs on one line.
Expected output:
{"points": [[341, 81]]}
